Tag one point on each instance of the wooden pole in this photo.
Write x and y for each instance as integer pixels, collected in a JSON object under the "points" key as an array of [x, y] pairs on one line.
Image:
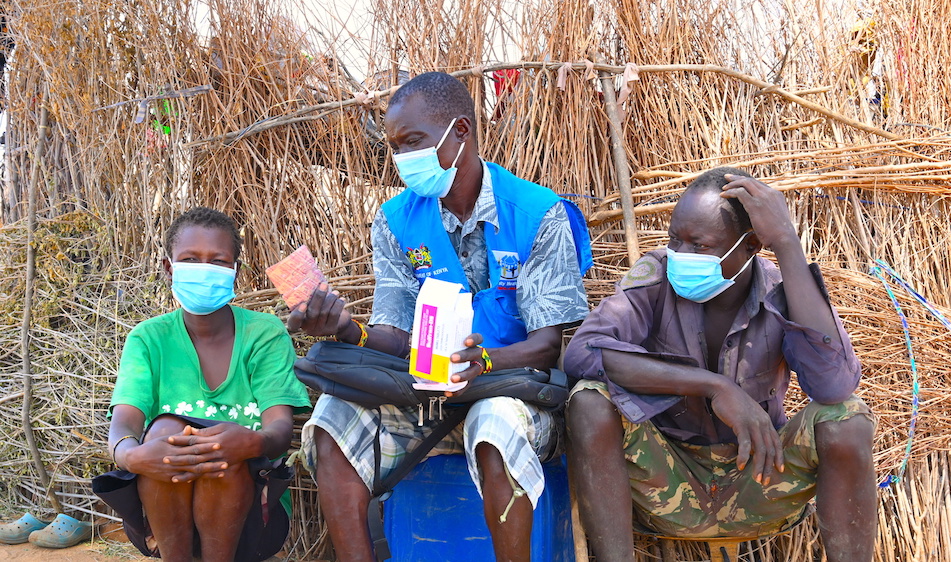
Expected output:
{"points": [[321, 110], [579, 538], [28, 305], [622, 167]]}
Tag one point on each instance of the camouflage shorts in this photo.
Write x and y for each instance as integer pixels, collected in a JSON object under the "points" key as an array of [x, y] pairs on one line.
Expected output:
{"points": [[688, 490]]}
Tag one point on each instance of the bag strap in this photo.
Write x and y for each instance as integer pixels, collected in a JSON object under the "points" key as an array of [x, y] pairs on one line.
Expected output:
{"points": [[380, 488], [558, 377]]}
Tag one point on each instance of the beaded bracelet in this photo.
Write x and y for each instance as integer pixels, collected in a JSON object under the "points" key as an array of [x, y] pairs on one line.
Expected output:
{"points": [[363, 333], [486, 360], [116, 446]]}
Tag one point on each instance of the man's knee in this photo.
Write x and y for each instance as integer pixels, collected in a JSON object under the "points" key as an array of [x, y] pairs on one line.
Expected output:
{"points": [[589, 413], [490, 460], [486, 416], [324, 444], [847, 440], [328, 452], [497, 406], [332, 466]]}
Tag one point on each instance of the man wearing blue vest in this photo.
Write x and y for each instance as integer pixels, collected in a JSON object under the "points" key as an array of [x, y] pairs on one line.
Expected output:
{"points": [[520, 249]]}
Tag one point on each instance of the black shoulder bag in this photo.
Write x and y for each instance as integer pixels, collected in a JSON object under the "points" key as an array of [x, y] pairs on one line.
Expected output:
{"points": [[372, 378]]}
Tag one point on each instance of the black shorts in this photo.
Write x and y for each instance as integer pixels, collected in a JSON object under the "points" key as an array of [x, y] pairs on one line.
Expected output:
{"points": [[265, 529]]}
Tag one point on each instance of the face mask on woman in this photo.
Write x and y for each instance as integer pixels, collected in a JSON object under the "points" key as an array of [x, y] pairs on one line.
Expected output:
{"points": [[421, 171], [699, 277], [202, 288]]}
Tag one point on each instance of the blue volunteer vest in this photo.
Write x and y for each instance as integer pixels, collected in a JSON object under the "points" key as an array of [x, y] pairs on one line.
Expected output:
{"points": [[520, 205]]}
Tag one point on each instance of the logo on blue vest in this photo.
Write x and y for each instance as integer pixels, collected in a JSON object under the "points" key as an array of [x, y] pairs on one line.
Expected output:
{"points": [[509, 268], [420, 258]]}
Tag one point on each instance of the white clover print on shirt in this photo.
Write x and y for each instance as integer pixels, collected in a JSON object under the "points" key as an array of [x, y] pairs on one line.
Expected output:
{"points": [[252, 411], [224, 412]]}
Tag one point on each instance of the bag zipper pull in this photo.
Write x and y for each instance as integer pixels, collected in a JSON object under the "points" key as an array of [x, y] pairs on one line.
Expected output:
{"points": [[442, 400], [419, 419], [432, 406]]}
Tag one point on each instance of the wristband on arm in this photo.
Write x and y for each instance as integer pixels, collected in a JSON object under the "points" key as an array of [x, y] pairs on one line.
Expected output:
{"points": [[116, 446], [486, 360], [363, 333]]}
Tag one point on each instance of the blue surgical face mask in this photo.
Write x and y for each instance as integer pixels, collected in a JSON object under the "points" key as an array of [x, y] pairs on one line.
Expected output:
{"points": [[202, 288], [421, 171], [699, 277]]}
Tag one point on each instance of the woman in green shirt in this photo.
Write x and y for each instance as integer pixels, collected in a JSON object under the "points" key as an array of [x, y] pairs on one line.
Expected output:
{"points": [[214, 389]]}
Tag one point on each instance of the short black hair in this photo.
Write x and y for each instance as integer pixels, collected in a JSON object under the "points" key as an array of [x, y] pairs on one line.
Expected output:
{"points": [[713, 181], [207, 218], [446, 97]]}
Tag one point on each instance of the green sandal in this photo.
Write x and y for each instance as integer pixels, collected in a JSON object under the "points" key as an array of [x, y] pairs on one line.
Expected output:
{"points": [[63, 532], [18, 532]]}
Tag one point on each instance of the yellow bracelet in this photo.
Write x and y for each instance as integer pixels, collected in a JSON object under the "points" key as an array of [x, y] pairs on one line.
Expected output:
{"points": [[487, 361], [363, 333], [116, 446]]}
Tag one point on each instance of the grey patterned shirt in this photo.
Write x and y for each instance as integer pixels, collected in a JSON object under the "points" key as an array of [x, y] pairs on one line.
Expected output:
{"points": [[549, 292]]}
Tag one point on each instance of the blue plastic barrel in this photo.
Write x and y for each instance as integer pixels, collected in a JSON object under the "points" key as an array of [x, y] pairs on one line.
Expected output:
{"points": [[435, 513]]}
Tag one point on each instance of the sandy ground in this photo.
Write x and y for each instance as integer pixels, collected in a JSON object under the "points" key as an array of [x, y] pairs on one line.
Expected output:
{"points": [[110, 546], [96, 551]]}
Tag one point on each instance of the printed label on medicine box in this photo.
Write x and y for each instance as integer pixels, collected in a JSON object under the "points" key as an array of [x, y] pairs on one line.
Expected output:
{"points": [[441, 323]]}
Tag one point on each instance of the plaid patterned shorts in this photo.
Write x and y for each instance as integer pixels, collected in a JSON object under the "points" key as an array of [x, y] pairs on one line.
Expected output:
{"points": [[524, 435], [686, 490]]}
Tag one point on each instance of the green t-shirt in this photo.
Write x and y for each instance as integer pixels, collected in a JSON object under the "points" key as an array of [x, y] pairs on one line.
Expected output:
{"points": [[159, 371]]}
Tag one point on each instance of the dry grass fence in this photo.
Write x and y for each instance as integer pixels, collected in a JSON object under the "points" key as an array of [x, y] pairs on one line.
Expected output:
{"points": [[150, 113]]}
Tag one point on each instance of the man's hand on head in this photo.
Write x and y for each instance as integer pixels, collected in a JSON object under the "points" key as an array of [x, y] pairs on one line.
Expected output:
{"points": [[772, 225], [324, 315], [766, 206]]}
